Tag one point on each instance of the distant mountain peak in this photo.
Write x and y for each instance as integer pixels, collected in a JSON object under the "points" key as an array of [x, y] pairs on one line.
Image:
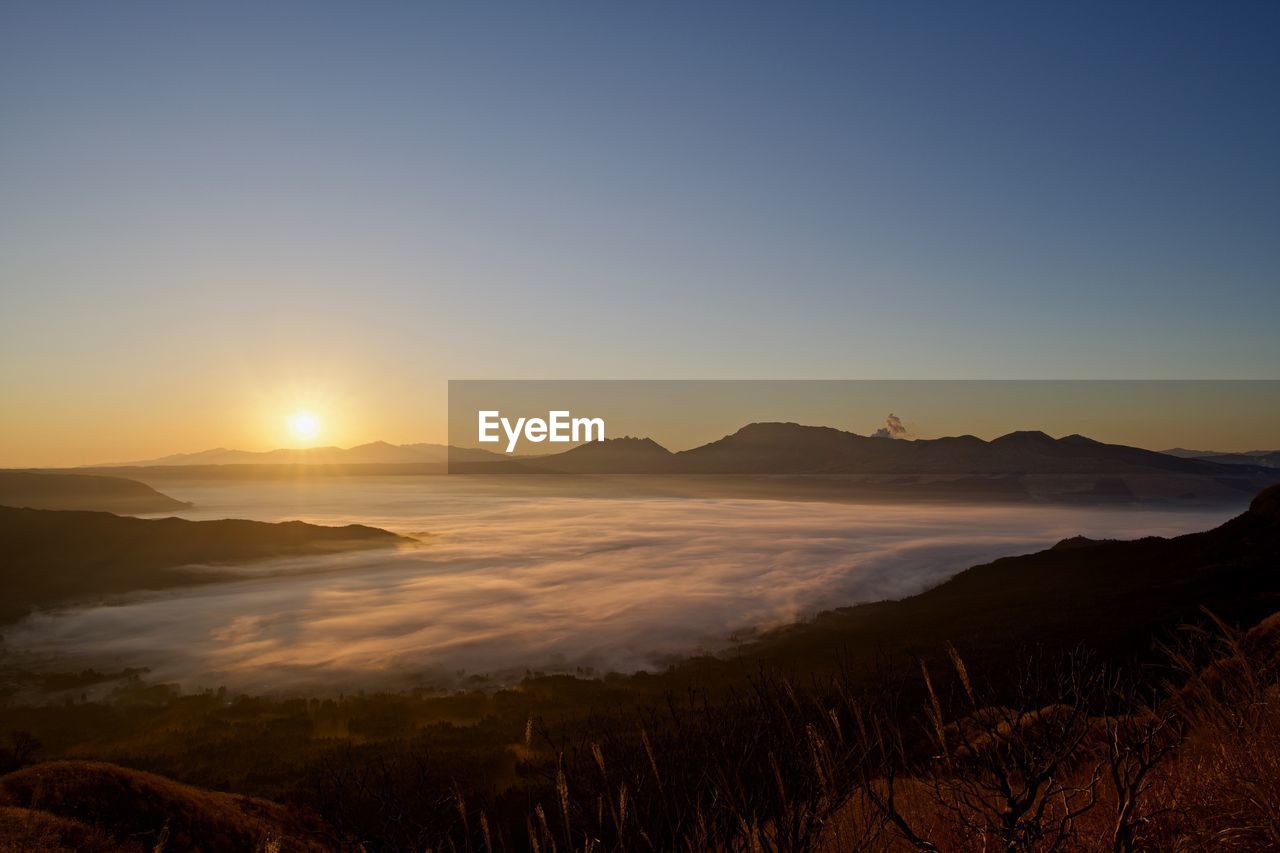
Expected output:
{"points": [[1025, 436], [1078, 542], [625, 444], [626, 454], [633, 441], [774, 429], [766, 426], [954, 439]]}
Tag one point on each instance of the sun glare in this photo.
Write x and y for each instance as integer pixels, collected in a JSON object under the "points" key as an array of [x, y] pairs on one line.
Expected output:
{"points": [[304, 426]]}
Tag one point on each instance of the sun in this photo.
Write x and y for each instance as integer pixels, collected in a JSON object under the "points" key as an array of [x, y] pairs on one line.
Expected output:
{"points": [[304, 426]]}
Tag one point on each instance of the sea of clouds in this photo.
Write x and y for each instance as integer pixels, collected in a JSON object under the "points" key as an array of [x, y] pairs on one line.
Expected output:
{"points": [[500, 585]]}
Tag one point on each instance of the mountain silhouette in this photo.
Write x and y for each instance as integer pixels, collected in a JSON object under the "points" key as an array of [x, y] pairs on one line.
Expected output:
{"points": [[82, 491], [1032, 452], [1114, 597], [53, 557], [1265, 458], [790, 448], [373, 453], [625, 455]]}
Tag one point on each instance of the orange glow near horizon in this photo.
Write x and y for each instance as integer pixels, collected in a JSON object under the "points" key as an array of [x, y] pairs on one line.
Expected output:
{"points": [[267, 407]]}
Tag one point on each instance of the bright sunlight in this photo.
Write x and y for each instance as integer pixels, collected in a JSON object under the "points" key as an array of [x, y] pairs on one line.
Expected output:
{"points": [[304, 426]]}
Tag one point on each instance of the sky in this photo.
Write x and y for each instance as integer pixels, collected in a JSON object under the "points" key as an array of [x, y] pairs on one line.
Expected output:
{"points": [[214, 215]]}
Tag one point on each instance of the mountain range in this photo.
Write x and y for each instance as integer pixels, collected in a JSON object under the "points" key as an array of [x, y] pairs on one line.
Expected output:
{"points": [[794, 449], [1265, 458], [775, 459], [769, 448], [373, 453]]}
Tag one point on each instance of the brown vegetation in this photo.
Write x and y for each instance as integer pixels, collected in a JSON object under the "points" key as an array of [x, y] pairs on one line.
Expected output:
{"points": [[89, 805]]}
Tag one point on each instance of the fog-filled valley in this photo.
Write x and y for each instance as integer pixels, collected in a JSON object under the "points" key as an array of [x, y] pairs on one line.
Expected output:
{"points": [[500, 581]]}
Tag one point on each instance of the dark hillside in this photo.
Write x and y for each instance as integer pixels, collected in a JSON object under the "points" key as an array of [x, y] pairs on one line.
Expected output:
{"points": [[81, 491], [1114, 597], [53, 557], [89, 805]]}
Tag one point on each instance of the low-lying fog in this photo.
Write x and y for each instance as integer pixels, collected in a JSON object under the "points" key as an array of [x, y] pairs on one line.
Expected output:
{"points": [[502, 584]]}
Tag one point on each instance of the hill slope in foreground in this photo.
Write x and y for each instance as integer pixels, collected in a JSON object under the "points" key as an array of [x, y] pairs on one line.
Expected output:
{"points": [[54, 557], [81, 491], [1114, 597], [89, 806]]}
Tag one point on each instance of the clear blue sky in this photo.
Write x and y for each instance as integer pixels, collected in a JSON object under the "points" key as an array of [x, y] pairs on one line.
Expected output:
{"points": [[208, 208]]}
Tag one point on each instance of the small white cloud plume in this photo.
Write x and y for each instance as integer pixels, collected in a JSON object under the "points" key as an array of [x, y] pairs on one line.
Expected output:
{"points": [[893, 428]]}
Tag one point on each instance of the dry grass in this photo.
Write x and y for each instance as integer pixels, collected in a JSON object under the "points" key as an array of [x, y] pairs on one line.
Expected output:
{"points": [[80, 804], [1197, 769], [1055, 754], [33, 831]]}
